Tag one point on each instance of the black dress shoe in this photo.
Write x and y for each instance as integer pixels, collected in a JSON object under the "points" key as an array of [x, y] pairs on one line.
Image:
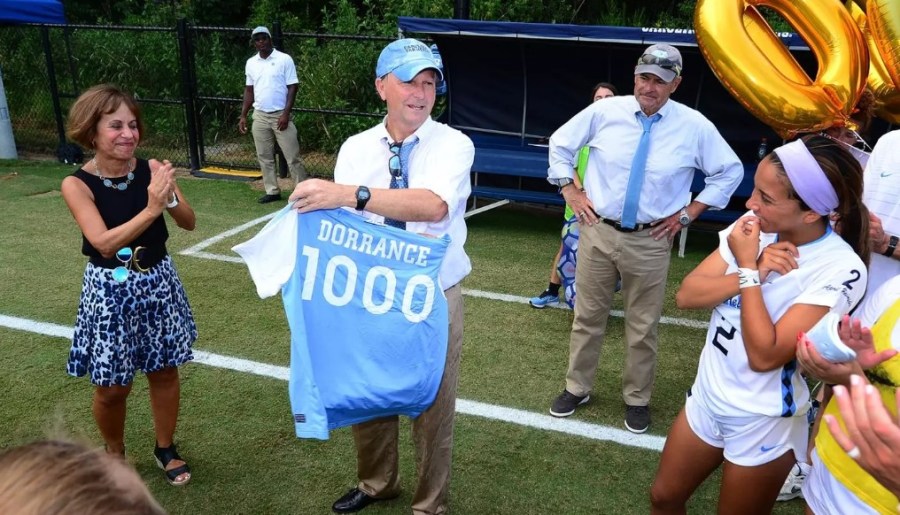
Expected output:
{"points": [[354, 501], [265, 199]]}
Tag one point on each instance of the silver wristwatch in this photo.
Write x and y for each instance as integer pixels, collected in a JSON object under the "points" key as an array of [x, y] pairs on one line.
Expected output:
{"points": [[560, 183], [684, 218]]}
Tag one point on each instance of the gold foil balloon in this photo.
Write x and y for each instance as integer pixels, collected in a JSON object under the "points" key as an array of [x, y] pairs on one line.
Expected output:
{"points": [[887, 95], [770, 45], [769, 82], [884, 23]]}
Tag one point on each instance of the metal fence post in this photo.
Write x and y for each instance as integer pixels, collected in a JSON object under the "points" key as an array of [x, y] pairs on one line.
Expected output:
{"points": [[189, 92], [54, 89]]}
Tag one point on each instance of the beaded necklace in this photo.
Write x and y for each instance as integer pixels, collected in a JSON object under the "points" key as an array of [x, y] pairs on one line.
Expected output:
{"points": [[122, 186]]}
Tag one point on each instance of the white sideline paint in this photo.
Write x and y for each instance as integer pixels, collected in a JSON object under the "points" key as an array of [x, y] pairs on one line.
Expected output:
{"points": [[191, 251], [197, 251], [466, 407]]}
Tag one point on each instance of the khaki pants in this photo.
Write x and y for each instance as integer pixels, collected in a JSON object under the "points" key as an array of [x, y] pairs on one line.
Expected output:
{"points": [[432, 433], [643, 264], [265, 133]]}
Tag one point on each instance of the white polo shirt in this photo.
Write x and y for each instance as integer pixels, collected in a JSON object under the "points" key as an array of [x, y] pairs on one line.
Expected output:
{"points": [[270, 79], [440, 162]]}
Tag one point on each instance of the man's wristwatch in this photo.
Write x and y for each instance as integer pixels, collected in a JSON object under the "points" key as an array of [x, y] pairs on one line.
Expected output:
{"points": [[684, 218], [560, 183], [892, 246], [362, 197]]}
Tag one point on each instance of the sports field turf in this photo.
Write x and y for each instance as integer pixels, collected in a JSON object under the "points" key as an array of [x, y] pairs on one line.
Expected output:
{"points": [[235, 428]]}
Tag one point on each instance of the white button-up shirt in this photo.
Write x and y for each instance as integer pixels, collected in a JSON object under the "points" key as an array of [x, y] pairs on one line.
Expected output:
{"points": [[440, 162], [682, 141]]}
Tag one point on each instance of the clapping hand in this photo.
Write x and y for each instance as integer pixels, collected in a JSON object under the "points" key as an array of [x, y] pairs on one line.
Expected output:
{"points": [[162, 185], [859, 338], [872, 435]]}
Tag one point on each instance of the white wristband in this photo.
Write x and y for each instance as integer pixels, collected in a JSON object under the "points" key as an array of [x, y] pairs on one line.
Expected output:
{"points": [[748, 278], [174, 202]]}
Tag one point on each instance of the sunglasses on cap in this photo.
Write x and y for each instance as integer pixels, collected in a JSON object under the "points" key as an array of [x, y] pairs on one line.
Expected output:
{"points": [[663, 62]]}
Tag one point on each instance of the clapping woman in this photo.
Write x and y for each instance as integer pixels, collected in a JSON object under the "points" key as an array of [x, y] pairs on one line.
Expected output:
{"points": [[133, 314]]}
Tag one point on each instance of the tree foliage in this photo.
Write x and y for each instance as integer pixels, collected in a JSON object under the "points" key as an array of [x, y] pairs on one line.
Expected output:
{"points": [[376, 16]]}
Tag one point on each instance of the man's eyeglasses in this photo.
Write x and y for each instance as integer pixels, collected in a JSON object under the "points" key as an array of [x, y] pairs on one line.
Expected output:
{"points": [[663, 62], [394, 163], [128, 257]]}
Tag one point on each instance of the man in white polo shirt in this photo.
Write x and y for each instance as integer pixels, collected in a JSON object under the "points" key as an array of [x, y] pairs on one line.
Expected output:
{"points": [[271, 88]]}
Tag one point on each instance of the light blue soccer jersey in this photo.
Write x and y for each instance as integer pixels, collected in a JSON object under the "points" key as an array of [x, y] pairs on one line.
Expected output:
{"points": [[367, 313]]}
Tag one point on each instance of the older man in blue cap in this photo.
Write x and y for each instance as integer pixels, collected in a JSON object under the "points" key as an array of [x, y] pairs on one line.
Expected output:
{"points": [[409, 172]]}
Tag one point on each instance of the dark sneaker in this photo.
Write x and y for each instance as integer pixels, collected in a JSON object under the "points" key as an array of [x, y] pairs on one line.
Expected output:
{"points": [[637, 418], [265, 199], [543, 300], [565, 404]]}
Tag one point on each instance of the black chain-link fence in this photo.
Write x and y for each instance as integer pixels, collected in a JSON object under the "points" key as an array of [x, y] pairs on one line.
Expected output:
{"points": [[189, 82]]}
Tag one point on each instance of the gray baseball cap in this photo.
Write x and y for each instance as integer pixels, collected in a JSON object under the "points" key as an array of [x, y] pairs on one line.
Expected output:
{"points": [[661, 60]]}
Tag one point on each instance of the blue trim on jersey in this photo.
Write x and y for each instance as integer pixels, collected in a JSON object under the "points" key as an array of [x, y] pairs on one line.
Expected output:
{"points": [[828, 230], [788, 406], [369, 322]]}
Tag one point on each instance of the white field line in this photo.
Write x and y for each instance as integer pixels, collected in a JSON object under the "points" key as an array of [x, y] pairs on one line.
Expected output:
{"points": [[467, 407], [191, 251], [197, 251]]}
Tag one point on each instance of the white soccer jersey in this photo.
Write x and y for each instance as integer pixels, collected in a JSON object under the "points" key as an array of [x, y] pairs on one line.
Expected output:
{"points": [[829, 273]]}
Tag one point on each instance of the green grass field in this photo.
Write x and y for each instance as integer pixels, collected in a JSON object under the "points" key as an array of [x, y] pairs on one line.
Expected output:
{"points": [[236, 429]]}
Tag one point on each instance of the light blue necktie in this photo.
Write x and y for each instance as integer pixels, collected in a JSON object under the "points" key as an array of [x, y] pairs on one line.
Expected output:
{"points": [[636, 177], [400, 174]]}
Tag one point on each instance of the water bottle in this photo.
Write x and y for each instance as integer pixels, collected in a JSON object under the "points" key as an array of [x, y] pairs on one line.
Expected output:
{"points": [[762, 150], [441, 88]]}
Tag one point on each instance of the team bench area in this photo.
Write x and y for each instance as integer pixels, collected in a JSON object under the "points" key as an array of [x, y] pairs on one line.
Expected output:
{"points": [[507, 172]]}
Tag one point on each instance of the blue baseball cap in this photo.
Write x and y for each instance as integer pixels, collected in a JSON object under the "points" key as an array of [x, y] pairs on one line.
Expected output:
{"points": [[405, 58]]}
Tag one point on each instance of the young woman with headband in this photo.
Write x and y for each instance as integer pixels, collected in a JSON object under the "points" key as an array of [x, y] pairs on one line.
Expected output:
{"points": [[778, 270]]}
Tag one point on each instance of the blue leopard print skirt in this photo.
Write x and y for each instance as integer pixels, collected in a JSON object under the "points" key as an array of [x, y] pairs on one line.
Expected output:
{"points": [[144, 323]]}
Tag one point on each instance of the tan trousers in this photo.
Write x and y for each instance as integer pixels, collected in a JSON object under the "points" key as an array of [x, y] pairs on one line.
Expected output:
{"points": [[432, 433], [643, 264], [265, 133]]}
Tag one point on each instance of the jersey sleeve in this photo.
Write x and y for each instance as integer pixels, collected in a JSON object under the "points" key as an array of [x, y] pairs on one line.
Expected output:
{"points": [[882, 298], [838, 287], [271, 254]]}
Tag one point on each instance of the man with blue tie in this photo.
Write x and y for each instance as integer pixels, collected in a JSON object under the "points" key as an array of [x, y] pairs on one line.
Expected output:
{"points": [[644, 150], [409, 172]]}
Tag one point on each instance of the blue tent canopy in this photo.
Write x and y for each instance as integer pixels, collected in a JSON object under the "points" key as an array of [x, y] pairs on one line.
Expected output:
{"points": [[595, 33], [521, 81], [31, 11]]}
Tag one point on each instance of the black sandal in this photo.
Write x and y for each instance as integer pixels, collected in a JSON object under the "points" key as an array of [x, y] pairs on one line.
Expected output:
{"points": [[164, 455]]}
